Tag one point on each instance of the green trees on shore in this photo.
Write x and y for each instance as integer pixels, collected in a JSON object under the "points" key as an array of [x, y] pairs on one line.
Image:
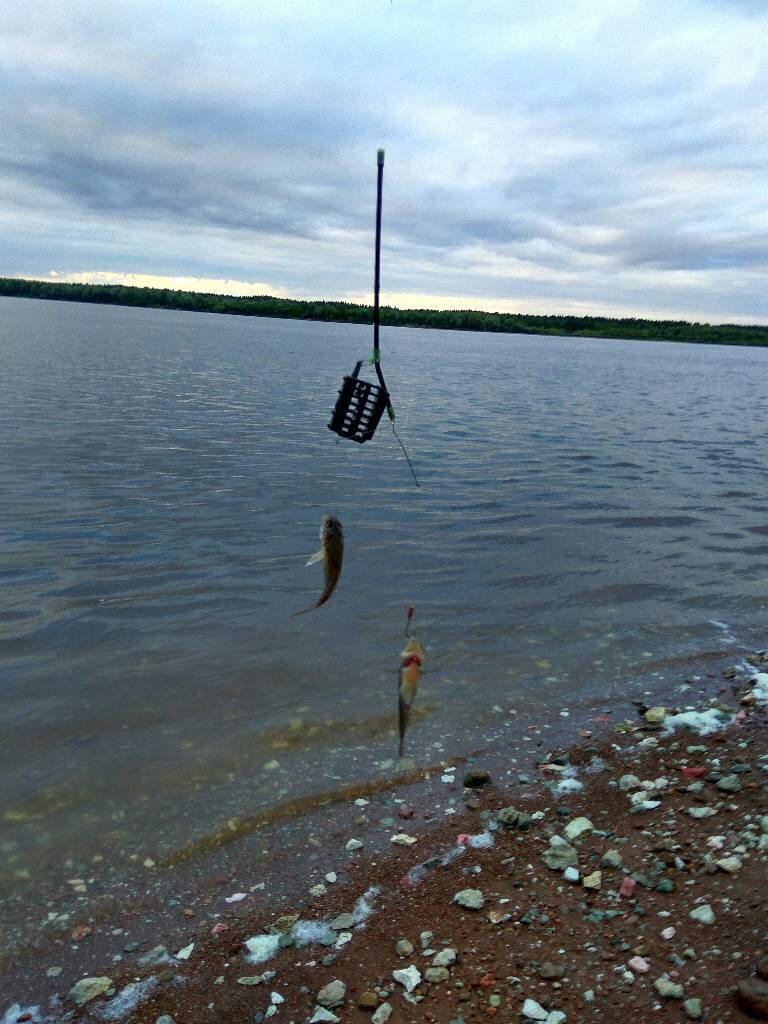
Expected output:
{"points": [[348, 312]]}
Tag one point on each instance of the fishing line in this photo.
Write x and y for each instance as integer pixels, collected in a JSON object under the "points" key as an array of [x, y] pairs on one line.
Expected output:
{"points": [[407, 457]]}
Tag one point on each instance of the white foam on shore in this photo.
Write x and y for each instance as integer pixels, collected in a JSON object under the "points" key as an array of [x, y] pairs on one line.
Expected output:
{"points": [[704, 723], [129, 999], [364, 908], [261, 948], [308, 933]]}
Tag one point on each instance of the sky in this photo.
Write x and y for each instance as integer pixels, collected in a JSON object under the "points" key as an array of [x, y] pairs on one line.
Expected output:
{"points": [[599, 157]]}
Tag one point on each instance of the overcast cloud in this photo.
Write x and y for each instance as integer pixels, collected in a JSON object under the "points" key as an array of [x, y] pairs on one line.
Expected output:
{"points": [[589, 156]]}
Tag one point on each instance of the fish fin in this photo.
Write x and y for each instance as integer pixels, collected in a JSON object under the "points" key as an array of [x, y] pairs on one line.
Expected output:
{"points": [[317, 557]]}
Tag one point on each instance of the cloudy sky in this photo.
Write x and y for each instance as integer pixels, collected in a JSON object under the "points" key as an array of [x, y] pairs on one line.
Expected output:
{"points": [[583, 156]]}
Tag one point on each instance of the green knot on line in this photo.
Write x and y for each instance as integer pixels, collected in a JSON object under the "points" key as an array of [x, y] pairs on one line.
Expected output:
{"points": [[375, 357]]}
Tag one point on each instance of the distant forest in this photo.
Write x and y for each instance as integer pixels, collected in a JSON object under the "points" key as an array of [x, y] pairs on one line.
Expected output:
{"points": [[348, 312]]}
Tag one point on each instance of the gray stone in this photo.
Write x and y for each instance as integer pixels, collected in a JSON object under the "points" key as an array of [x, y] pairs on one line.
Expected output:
{"points": [[704, 914], [560, 854], [156, 955], [692, 1009], [510, 817], [612, 859], [534, 1011], [382, 1015], [752, 998], [323, 1016], [550, 971], [729, 784], [404, 948], [88, 988], [437, 974], [342, 922], [627, 782], [445, 958], [472, 899], [701, 812], [332, 994], [475, 778], [578, 827], [668, 989]]}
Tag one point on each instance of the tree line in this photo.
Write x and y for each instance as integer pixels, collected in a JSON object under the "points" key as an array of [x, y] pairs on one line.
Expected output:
{"points": [[353, 313]]}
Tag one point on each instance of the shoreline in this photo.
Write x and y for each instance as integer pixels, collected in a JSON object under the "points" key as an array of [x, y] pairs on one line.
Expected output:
{"points": [[343, 312], [275, 867]]}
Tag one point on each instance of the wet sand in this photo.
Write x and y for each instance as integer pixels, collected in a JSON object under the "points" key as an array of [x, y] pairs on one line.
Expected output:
{"points": [[531, 915]]}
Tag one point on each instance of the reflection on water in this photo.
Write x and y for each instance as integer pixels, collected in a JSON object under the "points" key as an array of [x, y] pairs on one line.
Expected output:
{"points": [[592, 512]]}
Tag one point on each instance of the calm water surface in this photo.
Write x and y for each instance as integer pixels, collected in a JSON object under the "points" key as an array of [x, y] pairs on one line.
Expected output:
{"points": [[593, 514]]}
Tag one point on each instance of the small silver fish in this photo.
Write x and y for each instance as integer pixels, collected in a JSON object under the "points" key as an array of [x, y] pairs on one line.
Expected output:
{"points": [[331, 554]]}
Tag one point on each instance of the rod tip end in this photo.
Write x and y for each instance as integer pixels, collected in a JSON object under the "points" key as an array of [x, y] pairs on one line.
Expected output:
{"points": [[380, 157]]}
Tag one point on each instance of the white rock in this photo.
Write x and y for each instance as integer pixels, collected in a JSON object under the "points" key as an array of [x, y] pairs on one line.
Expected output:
{"points": [[184, 954], [382, 1014], [534, 1011], [408, 978], [401, 839], [354, 844], [578, 827], [445, 958], [571, 874], [555, 1017], [323, 1016]]}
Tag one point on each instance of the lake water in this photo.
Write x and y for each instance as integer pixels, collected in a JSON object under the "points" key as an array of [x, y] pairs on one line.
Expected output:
{"points": [[592, 519]]}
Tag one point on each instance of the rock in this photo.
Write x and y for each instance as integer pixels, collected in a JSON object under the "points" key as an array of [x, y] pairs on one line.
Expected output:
{"points": [[593, 881], [250, 979], [665, 885], [435, 975], [367, 1000], [283, 924], [729, 864], [445, 958], [353, 844], [555, 1017], [534, 1011], [88, 988], [382, 1015], [704, 914], [401, 839], [323, 1016], [560, 854], [655, 716], [404, 948], [571, 875], [318, 890], [701, 812], [692, 1009], [156, 955], [472, 899], [550, 971], [612, 859], [639, 965], [627, 782], [668, 989], [332, 994], [425, 938], [408, 978], [475, 778], [510, 817], [342, 922], [578, 827], [729, 784], [752, 998]]}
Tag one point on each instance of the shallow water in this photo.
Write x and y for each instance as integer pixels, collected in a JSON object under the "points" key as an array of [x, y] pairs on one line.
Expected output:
{"points": [[593, 514]]}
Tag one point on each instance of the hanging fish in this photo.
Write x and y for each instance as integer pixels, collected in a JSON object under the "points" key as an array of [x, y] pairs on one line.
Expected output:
{"points": [[331, 554], [411, 662]]}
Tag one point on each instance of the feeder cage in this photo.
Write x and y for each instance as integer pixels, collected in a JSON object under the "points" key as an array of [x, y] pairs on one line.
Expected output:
{"points": [[359, 408]]}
